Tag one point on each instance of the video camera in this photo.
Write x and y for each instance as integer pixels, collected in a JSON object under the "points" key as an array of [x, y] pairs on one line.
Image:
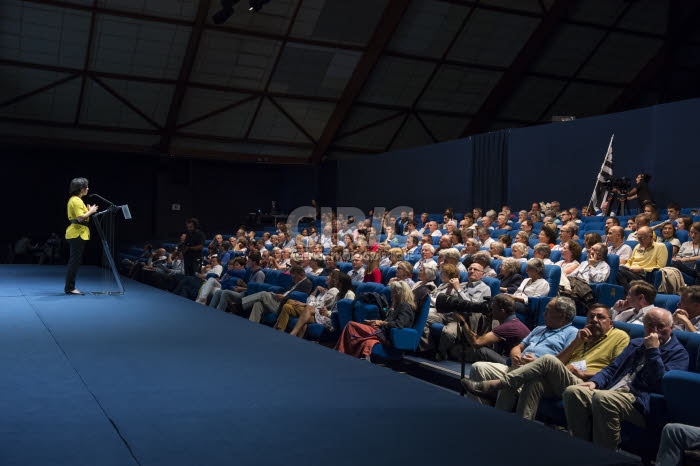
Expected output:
{"points": [[622, 184]]}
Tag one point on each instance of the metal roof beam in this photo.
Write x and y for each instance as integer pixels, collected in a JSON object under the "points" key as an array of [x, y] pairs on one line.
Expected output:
{"points": [[389, 22], [655, 64], [510, 79], [184, 75]]}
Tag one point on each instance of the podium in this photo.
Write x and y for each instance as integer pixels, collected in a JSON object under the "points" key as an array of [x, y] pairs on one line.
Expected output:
{"points": [[104, 222]]}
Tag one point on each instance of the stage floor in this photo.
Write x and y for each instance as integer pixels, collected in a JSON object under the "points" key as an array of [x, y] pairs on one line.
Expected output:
{"points": [[149, 378]]}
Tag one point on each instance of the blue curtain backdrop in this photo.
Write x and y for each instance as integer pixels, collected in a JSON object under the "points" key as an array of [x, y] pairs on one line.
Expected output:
{"points": [[540, 163], [489, 177]]}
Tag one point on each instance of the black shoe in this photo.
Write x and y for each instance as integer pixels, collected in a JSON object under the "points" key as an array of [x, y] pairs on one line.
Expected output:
{"points": [[476, 388]]}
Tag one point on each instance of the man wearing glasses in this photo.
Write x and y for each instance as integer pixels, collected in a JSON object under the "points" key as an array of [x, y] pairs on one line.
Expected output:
{"points": [[473, 291], [566, 235], [646, 256], [622, 391], [594, 347]]}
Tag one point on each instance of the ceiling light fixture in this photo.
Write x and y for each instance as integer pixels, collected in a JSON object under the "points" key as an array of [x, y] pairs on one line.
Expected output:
{"points": [[256, 5]]}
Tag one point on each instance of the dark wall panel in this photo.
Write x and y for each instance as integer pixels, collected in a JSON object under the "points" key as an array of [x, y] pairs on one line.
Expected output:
{"points": [[427, 178]]}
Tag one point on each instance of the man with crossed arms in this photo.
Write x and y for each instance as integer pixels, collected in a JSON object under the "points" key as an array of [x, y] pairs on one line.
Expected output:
{"points": [[595, 346]]}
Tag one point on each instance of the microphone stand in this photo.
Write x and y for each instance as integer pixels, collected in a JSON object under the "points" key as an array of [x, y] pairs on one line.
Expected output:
{"points": [[112, 208]]}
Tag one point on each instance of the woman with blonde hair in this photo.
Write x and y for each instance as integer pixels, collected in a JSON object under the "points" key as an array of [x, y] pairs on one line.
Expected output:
{"points": [[358, 339]]}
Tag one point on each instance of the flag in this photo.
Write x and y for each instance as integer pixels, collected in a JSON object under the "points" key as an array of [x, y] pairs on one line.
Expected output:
{"points": [[600, 191]]}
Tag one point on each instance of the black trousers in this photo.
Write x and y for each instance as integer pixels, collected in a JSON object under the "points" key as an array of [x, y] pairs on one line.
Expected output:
{"points": [[625, 276], [77, 247]]}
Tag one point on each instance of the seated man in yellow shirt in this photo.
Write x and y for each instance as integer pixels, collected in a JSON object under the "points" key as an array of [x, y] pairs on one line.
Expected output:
{"points": [[594, 347], [646, 256]]}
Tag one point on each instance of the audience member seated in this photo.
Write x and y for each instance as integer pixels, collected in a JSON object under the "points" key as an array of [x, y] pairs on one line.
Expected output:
{"points": [[372, 272], [570, 253], [548, 236], [264, 302], [190, 285], [426, 255], [484, 236], [590, 239], [471, 247], [483, 258], [689, 254], [687, 316], [358, 339], [668, 235], [519, 252], [551, 338], [404, 272], [214, 283], [451, 256], [318, 308], [496, 344], [676, 439], [622, 391], [425, 284], [533, 286], [617, 246], [640, 299], [565, 235], [595, 269], [230, 300], [641, 220], [510, 275], [542, 251], [646, 256], [357, 274], [594, 348], [473, 291]]}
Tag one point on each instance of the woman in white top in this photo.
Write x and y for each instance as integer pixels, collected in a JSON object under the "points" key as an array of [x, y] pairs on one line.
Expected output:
{"points": [[668, 235], [533, 286], [570, 254], [689, 253], [318, 308]]}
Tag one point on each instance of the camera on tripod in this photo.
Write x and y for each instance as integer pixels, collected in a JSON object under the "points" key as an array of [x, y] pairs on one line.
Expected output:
{"points": [[619, 185], [446, 303]]}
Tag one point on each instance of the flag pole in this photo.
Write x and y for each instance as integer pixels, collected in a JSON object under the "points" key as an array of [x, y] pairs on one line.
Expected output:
{"points": [[597, 180]]}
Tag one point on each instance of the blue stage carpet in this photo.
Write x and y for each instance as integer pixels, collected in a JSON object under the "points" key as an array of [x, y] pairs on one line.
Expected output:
{"points": [[150, 378]]}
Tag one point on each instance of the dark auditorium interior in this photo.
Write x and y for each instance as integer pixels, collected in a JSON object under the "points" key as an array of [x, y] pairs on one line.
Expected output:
{"points": [[238, 112]]}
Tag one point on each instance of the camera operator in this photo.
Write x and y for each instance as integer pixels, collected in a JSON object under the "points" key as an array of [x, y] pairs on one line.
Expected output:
{"points": [[641, 192], [619, 189]]}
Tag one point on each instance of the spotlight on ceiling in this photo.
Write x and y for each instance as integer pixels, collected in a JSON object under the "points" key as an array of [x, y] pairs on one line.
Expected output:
{"points": [[256, 5], [226, 11]]}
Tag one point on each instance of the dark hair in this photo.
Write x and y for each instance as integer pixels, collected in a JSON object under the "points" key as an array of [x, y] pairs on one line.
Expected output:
{"points": [[255, 257], [343, 283], [575, 249], [505, 302], [194, 222], [550, 234], [297, 270], [674, 206], [77, 185]]}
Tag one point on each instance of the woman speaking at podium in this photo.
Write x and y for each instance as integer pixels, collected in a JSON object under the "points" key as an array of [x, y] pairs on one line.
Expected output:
{"points": [[77, 232]]}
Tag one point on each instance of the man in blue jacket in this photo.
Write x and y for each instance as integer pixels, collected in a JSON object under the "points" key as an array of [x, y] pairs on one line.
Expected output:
{"points": [[621, 391]]}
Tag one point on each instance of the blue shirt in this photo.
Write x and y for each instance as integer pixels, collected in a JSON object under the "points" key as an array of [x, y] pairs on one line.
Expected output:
{"points": [[543, 341]]}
